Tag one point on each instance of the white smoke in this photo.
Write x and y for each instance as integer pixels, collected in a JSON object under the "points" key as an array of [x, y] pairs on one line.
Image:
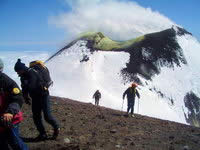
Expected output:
{"points": [[118, 19]]}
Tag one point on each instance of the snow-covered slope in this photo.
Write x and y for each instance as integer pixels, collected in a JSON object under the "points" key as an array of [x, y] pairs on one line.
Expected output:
{"points": [[165, 64], [81, 79]]}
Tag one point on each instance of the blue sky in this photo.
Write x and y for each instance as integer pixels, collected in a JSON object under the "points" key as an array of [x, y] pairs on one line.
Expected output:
{"points": [[26, 24], [183, 12]]}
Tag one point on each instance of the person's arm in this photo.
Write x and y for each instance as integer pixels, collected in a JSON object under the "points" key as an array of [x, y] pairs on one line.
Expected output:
{"points": [[137, 93], [24, 86], [25, 90], [124, 94], [15, 96]]}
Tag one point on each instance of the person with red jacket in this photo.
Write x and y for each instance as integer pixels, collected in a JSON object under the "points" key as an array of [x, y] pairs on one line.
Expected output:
{"points": [[11, 101]]}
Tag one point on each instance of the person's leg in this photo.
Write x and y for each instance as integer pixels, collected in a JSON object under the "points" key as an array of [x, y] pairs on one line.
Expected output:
{"points": [[48, 117], [132, 106], [37, 116], [3, 141], [47, 112], [97, 102], [14, 140], [129, 106]]}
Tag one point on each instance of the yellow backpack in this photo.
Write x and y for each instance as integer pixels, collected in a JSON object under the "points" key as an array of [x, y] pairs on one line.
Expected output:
{"points": [[43, 72]]}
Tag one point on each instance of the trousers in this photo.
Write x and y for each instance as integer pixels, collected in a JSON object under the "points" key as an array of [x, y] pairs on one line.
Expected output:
{"points": [[131, 103], [10, 139], [42, 104]]}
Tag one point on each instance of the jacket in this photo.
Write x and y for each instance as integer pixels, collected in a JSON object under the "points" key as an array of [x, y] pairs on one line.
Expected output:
{"points": [[11, 98], [97, 95], [131, 93]]}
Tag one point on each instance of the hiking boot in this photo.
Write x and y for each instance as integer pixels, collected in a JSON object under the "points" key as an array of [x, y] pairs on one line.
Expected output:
{"points": [[41, 137], [56, 133], [132, 115]]}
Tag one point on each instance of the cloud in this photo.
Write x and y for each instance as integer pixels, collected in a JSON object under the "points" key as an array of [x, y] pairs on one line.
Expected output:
{"points": [[118, 19]]}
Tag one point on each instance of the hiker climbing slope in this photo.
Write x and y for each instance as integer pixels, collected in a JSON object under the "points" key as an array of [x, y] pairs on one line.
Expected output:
{"points": [[97, 96], [131, 92], [34, 86]]}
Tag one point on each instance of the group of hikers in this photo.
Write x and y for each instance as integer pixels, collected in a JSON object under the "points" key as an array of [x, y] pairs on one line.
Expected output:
{"points": [[131, 92], [34, 91]]}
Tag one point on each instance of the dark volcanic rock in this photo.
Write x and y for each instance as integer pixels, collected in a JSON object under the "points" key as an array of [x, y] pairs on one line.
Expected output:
{"points": [[82, 129], [192, 102], [149, 55]]}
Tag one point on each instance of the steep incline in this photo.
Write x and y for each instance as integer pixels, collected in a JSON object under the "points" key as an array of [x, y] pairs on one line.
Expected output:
{"points": [[87, 127]]}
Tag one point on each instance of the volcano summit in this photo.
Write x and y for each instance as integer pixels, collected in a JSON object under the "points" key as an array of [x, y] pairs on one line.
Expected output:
{"points": [[164, 64]]}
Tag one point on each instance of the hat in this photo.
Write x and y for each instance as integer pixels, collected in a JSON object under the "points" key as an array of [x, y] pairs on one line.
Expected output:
{"points": [[19, 66], [134, 85], [1, 65]]}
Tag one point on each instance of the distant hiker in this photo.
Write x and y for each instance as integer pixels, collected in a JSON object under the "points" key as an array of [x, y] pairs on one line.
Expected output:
{"points": [[131, 92], [11, 100], [97, 96], [33, 87]]}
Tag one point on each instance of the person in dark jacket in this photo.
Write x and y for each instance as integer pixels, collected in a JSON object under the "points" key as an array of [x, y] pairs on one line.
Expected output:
{"points": [[11, 101], [97, 96], [32, 88], [131, 92]]}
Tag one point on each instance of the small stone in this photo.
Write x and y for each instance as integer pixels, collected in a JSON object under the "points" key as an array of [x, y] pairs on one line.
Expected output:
{"points": [[82, 139], [186, 147], [128, 139], [117, 146], [67, 140], [113, 131], [132, 143], [171, 137]]}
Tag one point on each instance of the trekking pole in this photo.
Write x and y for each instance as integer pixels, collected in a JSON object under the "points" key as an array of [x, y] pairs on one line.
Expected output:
{"points": [[138, 106], [122, 106]]}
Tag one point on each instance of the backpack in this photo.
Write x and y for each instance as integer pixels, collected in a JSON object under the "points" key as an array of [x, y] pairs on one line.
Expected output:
{"points": [[43, 72], [97, 95]]}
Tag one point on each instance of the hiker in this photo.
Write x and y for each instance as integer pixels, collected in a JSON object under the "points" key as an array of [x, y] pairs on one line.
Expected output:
{"points": [[11, 101], [97, 96], [33, 89], [131, 92]]}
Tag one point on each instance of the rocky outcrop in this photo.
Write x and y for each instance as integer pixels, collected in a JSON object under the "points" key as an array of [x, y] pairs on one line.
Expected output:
{"points": [[192, 102], [155, 51]]}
